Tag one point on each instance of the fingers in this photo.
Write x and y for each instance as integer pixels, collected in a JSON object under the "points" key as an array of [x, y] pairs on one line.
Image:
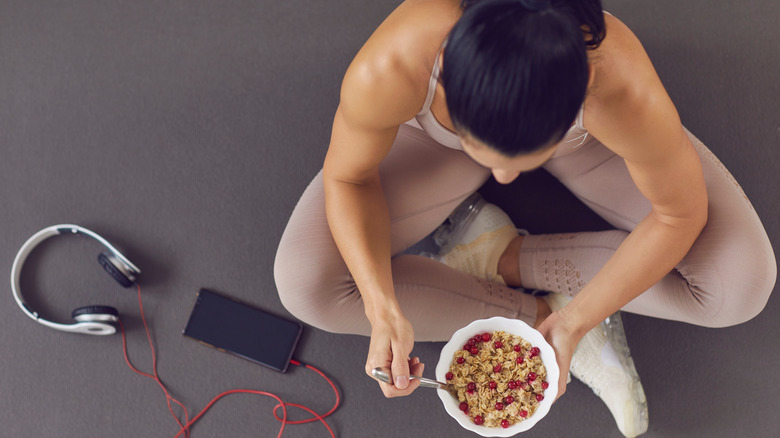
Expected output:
{"points": [[401, 348], [390, 347], [563, 346], [400, 371], [391, 390], [416, 367]]}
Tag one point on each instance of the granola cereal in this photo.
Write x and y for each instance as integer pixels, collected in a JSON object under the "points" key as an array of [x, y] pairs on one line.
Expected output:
{"points": [[498, 378]]}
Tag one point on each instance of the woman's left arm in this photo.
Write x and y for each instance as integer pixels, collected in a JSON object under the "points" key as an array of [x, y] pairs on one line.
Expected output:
{"points": [[631, 113]]}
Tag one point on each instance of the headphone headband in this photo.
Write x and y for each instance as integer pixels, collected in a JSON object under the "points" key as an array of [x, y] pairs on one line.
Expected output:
{"points": [[115, 263]]}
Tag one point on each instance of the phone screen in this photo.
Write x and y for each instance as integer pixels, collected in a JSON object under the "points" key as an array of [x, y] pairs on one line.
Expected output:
{"points": [[243, 330]]}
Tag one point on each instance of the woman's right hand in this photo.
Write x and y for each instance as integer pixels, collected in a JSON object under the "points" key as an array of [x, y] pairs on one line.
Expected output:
{"points": [[392, 340]]}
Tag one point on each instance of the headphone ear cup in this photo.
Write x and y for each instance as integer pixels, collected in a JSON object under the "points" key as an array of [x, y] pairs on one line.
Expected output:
{"points": [[116, 269], [95, 314]]}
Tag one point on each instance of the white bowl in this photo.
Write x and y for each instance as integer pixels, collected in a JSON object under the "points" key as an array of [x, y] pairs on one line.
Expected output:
{"points": [[514, 327]]}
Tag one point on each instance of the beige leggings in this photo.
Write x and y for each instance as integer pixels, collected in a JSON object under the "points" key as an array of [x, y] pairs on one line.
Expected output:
{"points": [[725, 279]]}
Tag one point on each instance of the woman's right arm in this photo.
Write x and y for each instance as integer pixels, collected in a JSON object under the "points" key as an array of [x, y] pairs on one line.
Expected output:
{"points": [[377, 95]]}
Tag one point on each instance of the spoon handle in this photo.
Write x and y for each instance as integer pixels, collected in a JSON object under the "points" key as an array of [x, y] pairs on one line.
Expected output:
{"points": [[428, 382], [383, 375]]}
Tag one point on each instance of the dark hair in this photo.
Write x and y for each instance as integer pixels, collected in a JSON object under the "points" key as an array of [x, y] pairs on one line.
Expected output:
{"points": [[515, 72]]}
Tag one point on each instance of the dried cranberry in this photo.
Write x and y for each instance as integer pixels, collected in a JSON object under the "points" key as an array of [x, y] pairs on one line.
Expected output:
{"points": [[523, 414], [520, 359], [518, 347], [539, 397], [545, 385], [467, 347], [497, 368], [474, 350], [511, 385], [471, 386], [535, 351], [478, 420], [498, 344], [499, 406], [460, 360], [504, 424], [464, 406], [486, 337], [531, 376], [509, 400], [492, 384], [449, 376]]}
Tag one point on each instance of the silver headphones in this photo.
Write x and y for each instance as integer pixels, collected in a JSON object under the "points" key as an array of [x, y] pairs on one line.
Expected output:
{"points": [[92, 320]]}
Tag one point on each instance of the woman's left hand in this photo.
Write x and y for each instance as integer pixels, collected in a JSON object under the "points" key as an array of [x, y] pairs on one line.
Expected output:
{"points": [[563, 337]]}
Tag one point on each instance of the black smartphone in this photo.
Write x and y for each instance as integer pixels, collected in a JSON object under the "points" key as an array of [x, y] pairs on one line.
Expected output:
{"points": [[243, 330]]}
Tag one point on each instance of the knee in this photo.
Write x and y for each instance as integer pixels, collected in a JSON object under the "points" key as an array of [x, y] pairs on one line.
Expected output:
{"points": [[745, 298], [757, 294], [316, 292], [293, 283], [757, 281]]}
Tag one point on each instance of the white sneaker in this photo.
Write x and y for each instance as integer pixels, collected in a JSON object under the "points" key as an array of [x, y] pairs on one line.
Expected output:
{"points": [[448, 234], [603, 361], [474, 237]]}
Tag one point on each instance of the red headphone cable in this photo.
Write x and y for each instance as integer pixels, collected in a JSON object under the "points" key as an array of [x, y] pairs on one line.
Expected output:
{"points": [[187, 424]]}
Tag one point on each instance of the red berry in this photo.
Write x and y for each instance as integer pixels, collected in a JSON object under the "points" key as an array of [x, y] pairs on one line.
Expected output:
{"points": [[509, 400], [486, 337], [461, 360], [499, 406], [492, 385], [504, 424], [498, 344], [467, 347], [520, 359], [523, 414], [471, 386], [478, 420], [545, 385], [497, 368], [535, 351], [474, 350], [511, 385], [539, 397], [531, 376], [464, 406], [517, 347], [449, 376], [471, 342]]}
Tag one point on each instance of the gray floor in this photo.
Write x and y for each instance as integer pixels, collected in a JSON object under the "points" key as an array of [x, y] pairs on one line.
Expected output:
{"points": [[185, 130]]}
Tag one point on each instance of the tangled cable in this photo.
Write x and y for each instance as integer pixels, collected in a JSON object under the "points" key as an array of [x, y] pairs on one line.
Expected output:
{"points": [[186, 426]]}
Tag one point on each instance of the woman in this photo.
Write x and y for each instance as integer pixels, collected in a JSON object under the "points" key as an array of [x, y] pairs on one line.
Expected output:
{"points": [[523, 84]]}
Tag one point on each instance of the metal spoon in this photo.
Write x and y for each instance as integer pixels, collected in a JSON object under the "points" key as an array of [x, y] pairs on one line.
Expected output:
{"points": [[383, 375]]}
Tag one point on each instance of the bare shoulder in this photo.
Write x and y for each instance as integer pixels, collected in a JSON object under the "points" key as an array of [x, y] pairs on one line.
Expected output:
{"points": [[621, 66], [386, 83], [627, 101]]}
